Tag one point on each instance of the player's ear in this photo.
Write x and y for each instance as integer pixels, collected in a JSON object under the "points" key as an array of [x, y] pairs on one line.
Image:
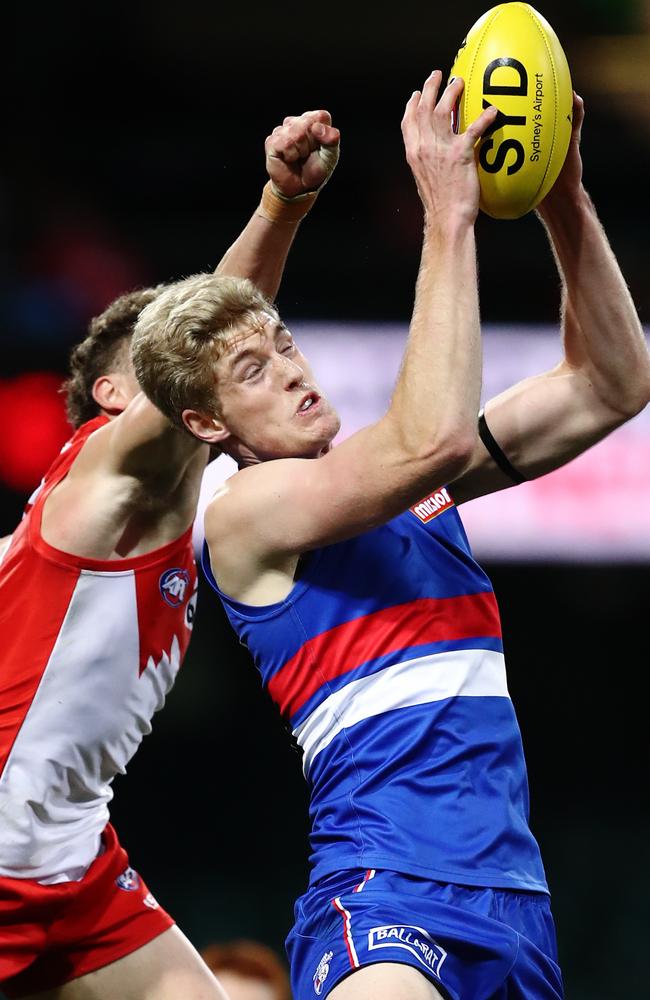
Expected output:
{"points": [[212, 430], [111, 393]]}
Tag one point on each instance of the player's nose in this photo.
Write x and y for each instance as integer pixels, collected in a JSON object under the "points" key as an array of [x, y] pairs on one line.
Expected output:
{"points": [[291, 373]]}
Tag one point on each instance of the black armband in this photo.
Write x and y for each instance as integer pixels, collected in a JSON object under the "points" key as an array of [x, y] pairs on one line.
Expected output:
{"points": [[504, 464]]}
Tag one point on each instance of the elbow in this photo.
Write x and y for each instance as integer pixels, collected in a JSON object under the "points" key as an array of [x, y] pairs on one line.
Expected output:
{"points": [[642, 397], [624, 396], [450, 453], [636, 396], [462, 452], [442, 452], [636, 407]]}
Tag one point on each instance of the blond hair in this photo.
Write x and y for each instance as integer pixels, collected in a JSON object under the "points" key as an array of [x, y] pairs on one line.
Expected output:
{"points": [[179, 337]]}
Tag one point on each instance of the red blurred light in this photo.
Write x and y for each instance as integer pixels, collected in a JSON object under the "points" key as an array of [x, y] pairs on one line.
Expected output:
{"points": [[33, 427]]}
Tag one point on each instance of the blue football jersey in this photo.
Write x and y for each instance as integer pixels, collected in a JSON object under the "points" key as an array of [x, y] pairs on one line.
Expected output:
{"points": [[386, 659]]}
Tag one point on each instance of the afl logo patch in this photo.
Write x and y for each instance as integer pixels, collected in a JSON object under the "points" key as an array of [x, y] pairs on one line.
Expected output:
{"points": [[432, 505], [173, 586], [129, 880]]}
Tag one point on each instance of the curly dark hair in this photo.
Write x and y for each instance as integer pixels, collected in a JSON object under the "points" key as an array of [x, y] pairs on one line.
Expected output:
{"points": [[103, 350]]}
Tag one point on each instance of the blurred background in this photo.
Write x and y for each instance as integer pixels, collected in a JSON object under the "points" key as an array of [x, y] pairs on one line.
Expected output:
{"points": [[133, 154]]}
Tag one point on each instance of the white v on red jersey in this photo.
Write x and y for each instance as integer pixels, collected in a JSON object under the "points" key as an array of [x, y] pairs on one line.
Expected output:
{"points": [[90, 650]]}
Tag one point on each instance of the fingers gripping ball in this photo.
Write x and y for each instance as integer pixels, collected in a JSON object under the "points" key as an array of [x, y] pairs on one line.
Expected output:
{"points": [[513, 59]]}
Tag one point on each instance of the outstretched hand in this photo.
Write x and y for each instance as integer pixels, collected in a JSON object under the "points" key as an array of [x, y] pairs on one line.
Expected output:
{"points": [[443, 163], [569, 179], [301, 154]]}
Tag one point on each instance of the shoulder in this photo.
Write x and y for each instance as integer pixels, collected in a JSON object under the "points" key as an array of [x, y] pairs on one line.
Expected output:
{"points": [[256, 486], [237, 498], [245, 507]]}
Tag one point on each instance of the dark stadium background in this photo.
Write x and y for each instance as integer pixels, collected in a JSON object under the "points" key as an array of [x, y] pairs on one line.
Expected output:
{"points": [[133, 154]]}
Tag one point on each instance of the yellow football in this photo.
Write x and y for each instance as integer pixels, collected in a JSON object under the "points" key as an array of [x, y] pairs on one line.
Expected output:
{"points": [[513, 59]]}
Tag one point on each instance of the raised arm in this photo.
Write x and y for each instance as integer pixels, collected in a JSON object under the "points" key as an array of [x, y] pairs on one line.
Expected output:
{"points": [[604, 377], [139, 459], [301, 155], [427, 435]]}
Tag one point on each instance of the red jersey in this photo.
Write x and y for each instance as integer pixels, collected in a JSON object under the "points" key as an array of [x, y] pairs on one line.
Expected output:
{"points": [[90, 649]]}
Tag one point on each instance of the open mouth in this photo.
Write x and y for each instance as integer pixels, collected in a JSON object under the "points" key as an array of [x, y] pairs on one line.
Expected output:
{"points": [[308, 402]]}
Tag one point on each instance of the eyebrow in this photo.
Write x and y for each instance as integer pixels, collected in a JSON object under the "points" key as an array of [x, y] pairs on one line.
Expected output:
{"points": [[241, 356], [278, 328]]}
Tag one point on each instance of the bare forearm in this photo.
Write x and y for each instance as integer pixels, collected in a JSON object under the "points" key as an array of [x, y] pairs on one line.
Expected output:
{"points": [[602, 333], [438, 392], [300, 157], [260, 253]]}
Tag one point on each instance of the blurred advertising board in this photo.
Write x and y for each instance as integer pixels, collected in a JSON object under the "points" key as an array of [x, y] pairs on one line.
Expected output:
{"points": [[595, 508]]}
